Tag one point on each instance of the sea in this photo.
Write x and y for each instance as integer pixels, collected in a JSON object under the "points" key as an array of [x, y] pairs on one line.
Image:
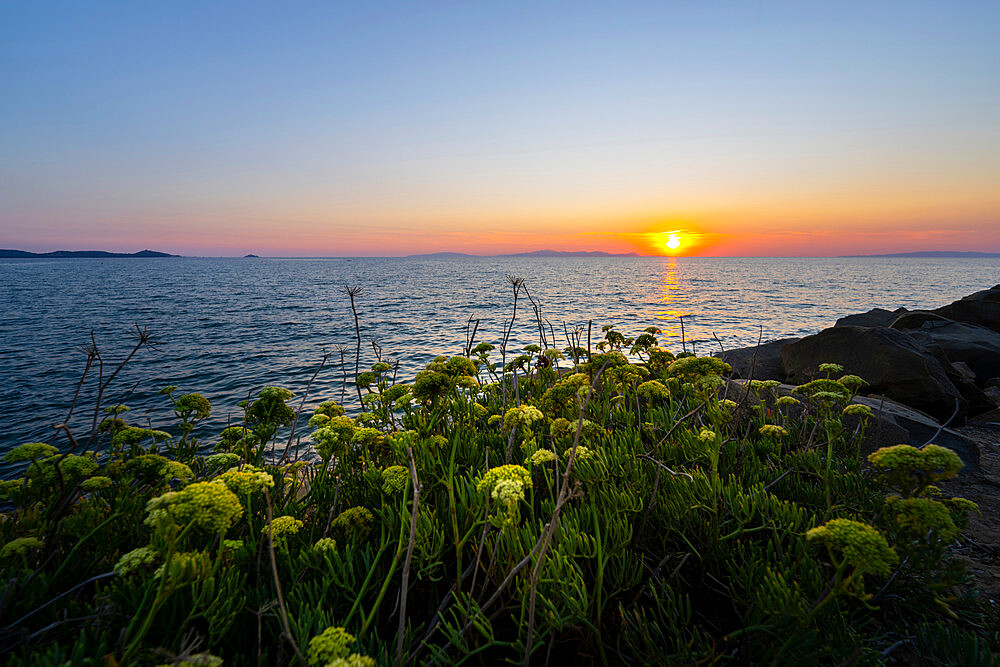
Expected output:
{"points": [[228, 327]]}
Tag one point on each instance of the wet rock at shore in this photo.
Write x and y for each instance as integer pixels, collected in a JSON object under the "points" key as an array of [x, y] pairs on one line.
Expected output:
{"points": [[757, 363], [982, 308], [891, 362], [876, 317]]}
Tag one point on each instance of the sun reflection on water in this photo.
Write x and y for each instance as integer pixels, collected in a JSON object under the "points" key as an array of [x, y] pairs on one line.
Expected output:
{"points": [[671, 302]]}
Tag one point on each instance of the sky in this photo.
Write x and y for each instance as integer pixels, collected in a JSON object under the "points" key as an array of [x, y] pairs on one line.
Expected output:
{"points": [[368, 128]]}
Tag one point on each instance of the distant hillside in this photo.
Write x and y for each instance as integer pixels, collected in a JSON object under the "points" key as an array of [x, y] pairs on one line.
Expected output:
{"points": [[932, 253], [441, 255], [60, 254], [533, 253], [570, 253]]}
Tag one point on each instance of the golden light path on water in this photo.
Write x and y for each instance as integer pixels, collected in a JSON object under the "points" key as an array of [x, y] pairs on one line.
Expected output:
{"points": [[671, 306]]}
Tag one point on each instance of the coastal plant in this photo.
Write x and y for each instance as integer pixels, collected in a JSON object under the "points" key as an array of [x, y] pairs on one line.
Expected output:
{"points": [[617, 508]]}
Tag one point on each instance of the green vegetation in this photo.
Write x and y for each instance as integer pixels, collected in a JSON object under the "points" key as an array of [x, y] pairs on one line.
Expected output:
{"points": [[623, 509]]}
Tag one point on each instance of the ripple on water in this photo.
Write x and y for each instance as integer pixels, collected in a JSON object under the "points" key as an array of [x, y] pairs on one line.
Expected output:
{"points": [[230, 326]]}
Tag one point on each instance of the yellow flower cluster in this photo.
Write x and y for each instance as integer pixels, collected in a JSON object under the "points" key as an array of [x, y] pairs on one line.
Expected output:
{"points": [[95, 484], [325, 545], [852, 382], [917, 518], [823, 390], [764, 385], [71, 468], [394, 479], [224, 460], [505, 472], [333, 435], [283, 525], [706, 435], [210, 506], [247, 481], [355, 521], [30, 451], [653, 391], [9, 488], [523, 415], [772, 431], [508, 492], [562, 428], [328, 646], [788, 401], [698, 366], [20, 546], [135, 559], [858, 410], [541, 456], [582, 453], [353, 660], [506, 484], [176, 470], [862, 546], [366, 436], [563, 394], [906, 468]]}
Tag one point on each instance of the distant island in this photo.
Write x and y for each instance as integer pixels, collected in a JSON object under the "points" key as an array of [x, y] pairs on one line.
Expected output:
{"points": [[932, 253], [62, 254], [533, 253], [251, 256]]}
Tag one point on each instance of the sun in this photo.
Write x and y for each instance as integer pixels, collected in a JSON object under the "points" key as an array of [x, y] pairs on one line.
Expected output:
{"points": [[673, 241]]}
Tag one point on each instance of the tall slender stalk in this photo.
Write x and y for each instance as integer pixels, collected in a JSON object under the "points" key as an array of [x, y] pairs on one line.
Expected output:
{"points": [[352, 291]]}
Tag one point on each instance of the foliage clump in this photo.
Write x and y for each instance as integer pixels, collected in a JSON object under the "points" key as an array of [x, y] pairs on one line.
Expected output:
{"points": [[655, 520]]}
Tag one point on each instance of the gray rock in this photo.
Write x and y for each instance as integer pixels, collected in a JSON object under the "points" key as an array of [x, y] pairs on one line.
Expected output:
{"points": [[890, 361], [914, 319], [876, 317], [963, 377], [993, 393], [991, 417], [757, 363], [982, 308], [971, 344]]}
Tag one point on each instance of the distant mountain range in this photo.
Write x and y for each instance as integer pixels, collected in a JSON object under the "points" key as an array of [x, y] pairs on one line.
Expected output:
{"points": [[932, 253], [533, 253], [60, 254]]}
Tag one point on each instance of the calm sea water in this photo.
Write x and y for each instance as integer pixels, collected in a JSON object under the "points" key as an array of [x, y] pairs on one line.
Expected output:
{"points": [[231, 326]]}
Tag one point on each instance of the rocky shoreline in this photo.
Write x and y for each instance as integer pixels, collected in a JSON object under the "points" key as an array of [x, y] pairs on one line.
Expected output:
{"points": [[934, 377]]}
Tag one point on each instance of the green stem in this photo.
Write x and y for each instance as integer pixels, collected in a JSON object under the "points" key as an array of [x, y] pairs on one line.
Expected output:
{"points": [[364, 584], [388, 577]]}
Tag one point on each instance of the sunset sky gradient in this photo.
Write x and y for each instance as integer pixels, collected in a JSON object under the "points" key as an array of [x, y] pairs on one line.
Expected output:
{"points": [[333, 129]]}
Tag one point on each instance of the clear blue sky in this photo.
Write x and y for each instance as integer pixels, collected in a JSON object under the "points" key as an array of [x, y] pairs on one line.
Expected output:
{"points": [[373, 128]]}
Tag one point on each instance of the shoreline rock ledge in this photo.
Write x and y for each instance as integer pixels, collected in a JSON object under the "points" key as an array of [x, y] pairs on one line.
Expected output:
{"points": [[943, 363]]}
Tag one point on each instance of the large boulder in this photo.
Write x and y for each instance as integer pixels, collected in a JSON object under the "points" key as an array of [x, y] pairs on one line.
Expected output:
{"points": [[761, 362], [982, 308], [959, 372], [975, 345], [876, 317], [891, 362]]}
